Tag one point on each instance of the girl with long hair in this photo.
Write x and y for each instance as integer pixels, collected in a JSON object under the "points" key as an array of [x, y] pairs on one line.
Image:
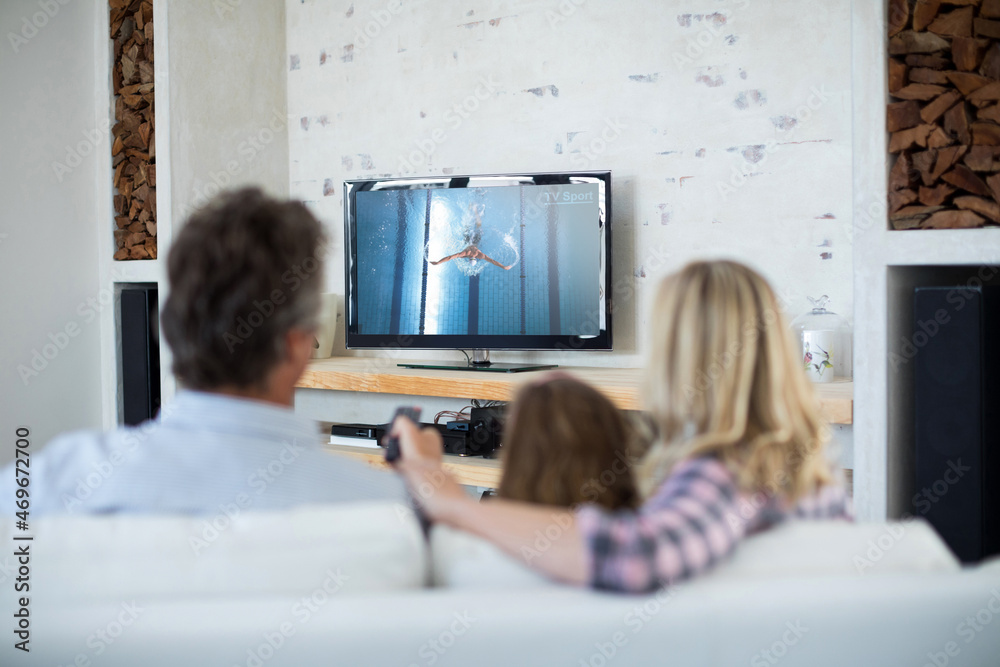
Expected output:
{"points": [[565, 444]]}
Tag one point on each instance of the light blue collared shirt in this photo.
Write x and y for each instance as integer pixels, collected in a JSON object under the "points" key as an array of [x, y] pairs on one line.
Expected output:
{"points": [[204, 453]]}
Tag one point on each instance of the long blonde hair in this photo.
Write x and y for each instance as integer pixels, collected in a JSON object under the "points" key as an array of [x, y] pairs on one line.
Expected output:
{"points": [[723, 380]]}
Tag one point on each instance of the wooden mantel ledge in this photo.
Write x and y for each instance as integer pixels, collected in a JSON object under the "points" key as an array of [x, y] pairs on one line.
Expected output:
{"points": [[381, 375]]}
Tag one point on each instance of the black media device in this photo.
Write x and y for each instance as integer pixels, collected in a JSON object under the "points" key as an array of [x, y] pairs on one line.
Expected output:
{"points": [[363, 431], [140, 353], [486, 430], [518, 261], [480, 435], [392, 452], [957, 408]]}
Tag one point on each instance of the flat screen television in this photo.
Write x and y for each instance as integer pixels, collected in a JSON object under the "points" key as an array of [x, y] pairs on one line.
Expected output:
{"points": [[479, 262]]}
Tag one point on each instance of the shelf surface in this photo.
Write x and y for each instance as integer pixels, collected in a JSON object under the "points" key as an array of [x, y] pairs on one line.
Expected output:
{"points": [[472, 470], [622, 385]]}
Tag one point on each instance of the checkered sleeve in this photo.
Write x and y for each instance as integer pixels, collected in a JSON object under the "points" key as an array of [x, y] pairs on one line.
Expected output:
{"points": [[828, 502], [685, 529]]}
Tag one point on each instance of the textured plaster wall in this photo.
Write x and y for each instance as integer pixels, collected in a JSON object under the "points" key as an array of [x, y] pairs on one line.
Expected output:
{"points": [[227, 99], [726, 124], [52, 133]]}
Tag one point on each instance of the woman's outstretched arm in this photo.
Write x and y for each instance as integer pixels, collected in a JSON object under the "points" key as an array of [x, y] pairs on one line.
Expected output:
{"points": [[544, 538]]}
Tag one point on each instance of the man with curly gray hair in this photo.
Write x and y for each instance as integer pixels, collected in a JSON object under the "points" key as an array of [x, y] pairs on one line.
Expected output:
{"points": [[245, 274]]}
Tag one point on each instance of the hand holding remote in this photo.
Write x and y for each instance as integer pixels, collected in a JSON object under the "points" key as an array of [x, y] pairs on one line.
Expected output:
{"points": [[392, 452]]}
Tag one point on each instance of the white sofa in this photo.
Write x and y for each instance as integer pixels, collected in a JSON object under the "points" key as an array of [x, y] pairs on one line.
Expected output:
{"points": [[356, 585]]}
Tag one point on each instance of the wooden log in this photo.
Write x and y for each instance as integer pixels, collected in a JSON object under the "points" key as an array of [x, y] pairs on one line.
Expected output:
{"points": [[901, 174], [934, 196], [134, 141], [957, 23], [989, 113], [906, 139], [936, 109], [928, 75], [897, 74], [946, 157], [956, 123], [899, 16], [911, 216], [993, 181], [909, 41], [991, 63], [967, 82], [924, 12], [982, 158], [118, 174], [142, 192], [984, 207], [986, 95], [987, 28], [990, 9], [985, 133], [967, 52], [923, 165], [952, 220], [965, 179], [939, 138], [902, 116], [919, 91], [901, 198], [930, 62]]}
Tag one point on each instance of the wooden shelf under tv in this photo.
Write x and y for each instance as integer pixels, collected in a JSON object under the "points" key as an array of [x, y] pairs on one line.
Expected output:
{"points": [[622, 385], [469, 470]]}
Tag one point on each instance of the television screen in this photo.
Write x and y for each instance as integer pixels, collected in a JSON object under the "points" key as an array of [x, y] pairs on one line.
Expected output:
{"points": [[502, 262]]}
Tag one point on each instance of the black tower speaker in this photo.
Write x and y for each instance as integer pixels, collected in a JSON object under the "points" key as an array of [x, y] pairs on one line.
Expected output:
{"points": [[140, 354], [956, 336]]}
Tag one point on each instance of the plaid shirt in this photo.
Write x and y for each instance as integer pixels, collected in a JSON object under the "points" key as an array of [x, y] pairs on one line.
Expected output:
{"points": [[695, 520]]}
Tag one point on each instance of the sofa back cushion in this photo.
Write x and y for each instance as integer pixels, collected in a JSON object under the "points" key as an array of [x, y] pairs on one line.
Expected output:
{"points": [[794, 548], [802, 548], [313, 551], [461, 560]]}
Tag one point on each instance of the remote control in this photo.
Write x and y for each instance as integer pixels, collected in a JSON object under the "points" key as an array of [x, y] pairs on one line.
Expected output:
{"points": [[392, 452]]}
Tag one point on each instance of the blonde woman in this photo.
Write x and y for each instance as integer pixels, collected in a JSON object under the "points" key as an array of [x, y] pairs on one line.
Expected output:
{"points": [[741, 448]]}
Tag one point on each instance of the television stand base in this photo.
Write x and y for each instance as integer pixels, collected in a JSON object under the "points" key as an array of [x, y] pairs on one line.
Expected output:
{"points": [[469, 366]]}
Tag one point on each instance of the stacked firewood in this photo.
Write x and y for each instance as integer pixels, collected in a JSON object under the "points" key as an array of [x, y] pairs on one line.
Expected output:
{"points": [[134, 148], [944, 120]]}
